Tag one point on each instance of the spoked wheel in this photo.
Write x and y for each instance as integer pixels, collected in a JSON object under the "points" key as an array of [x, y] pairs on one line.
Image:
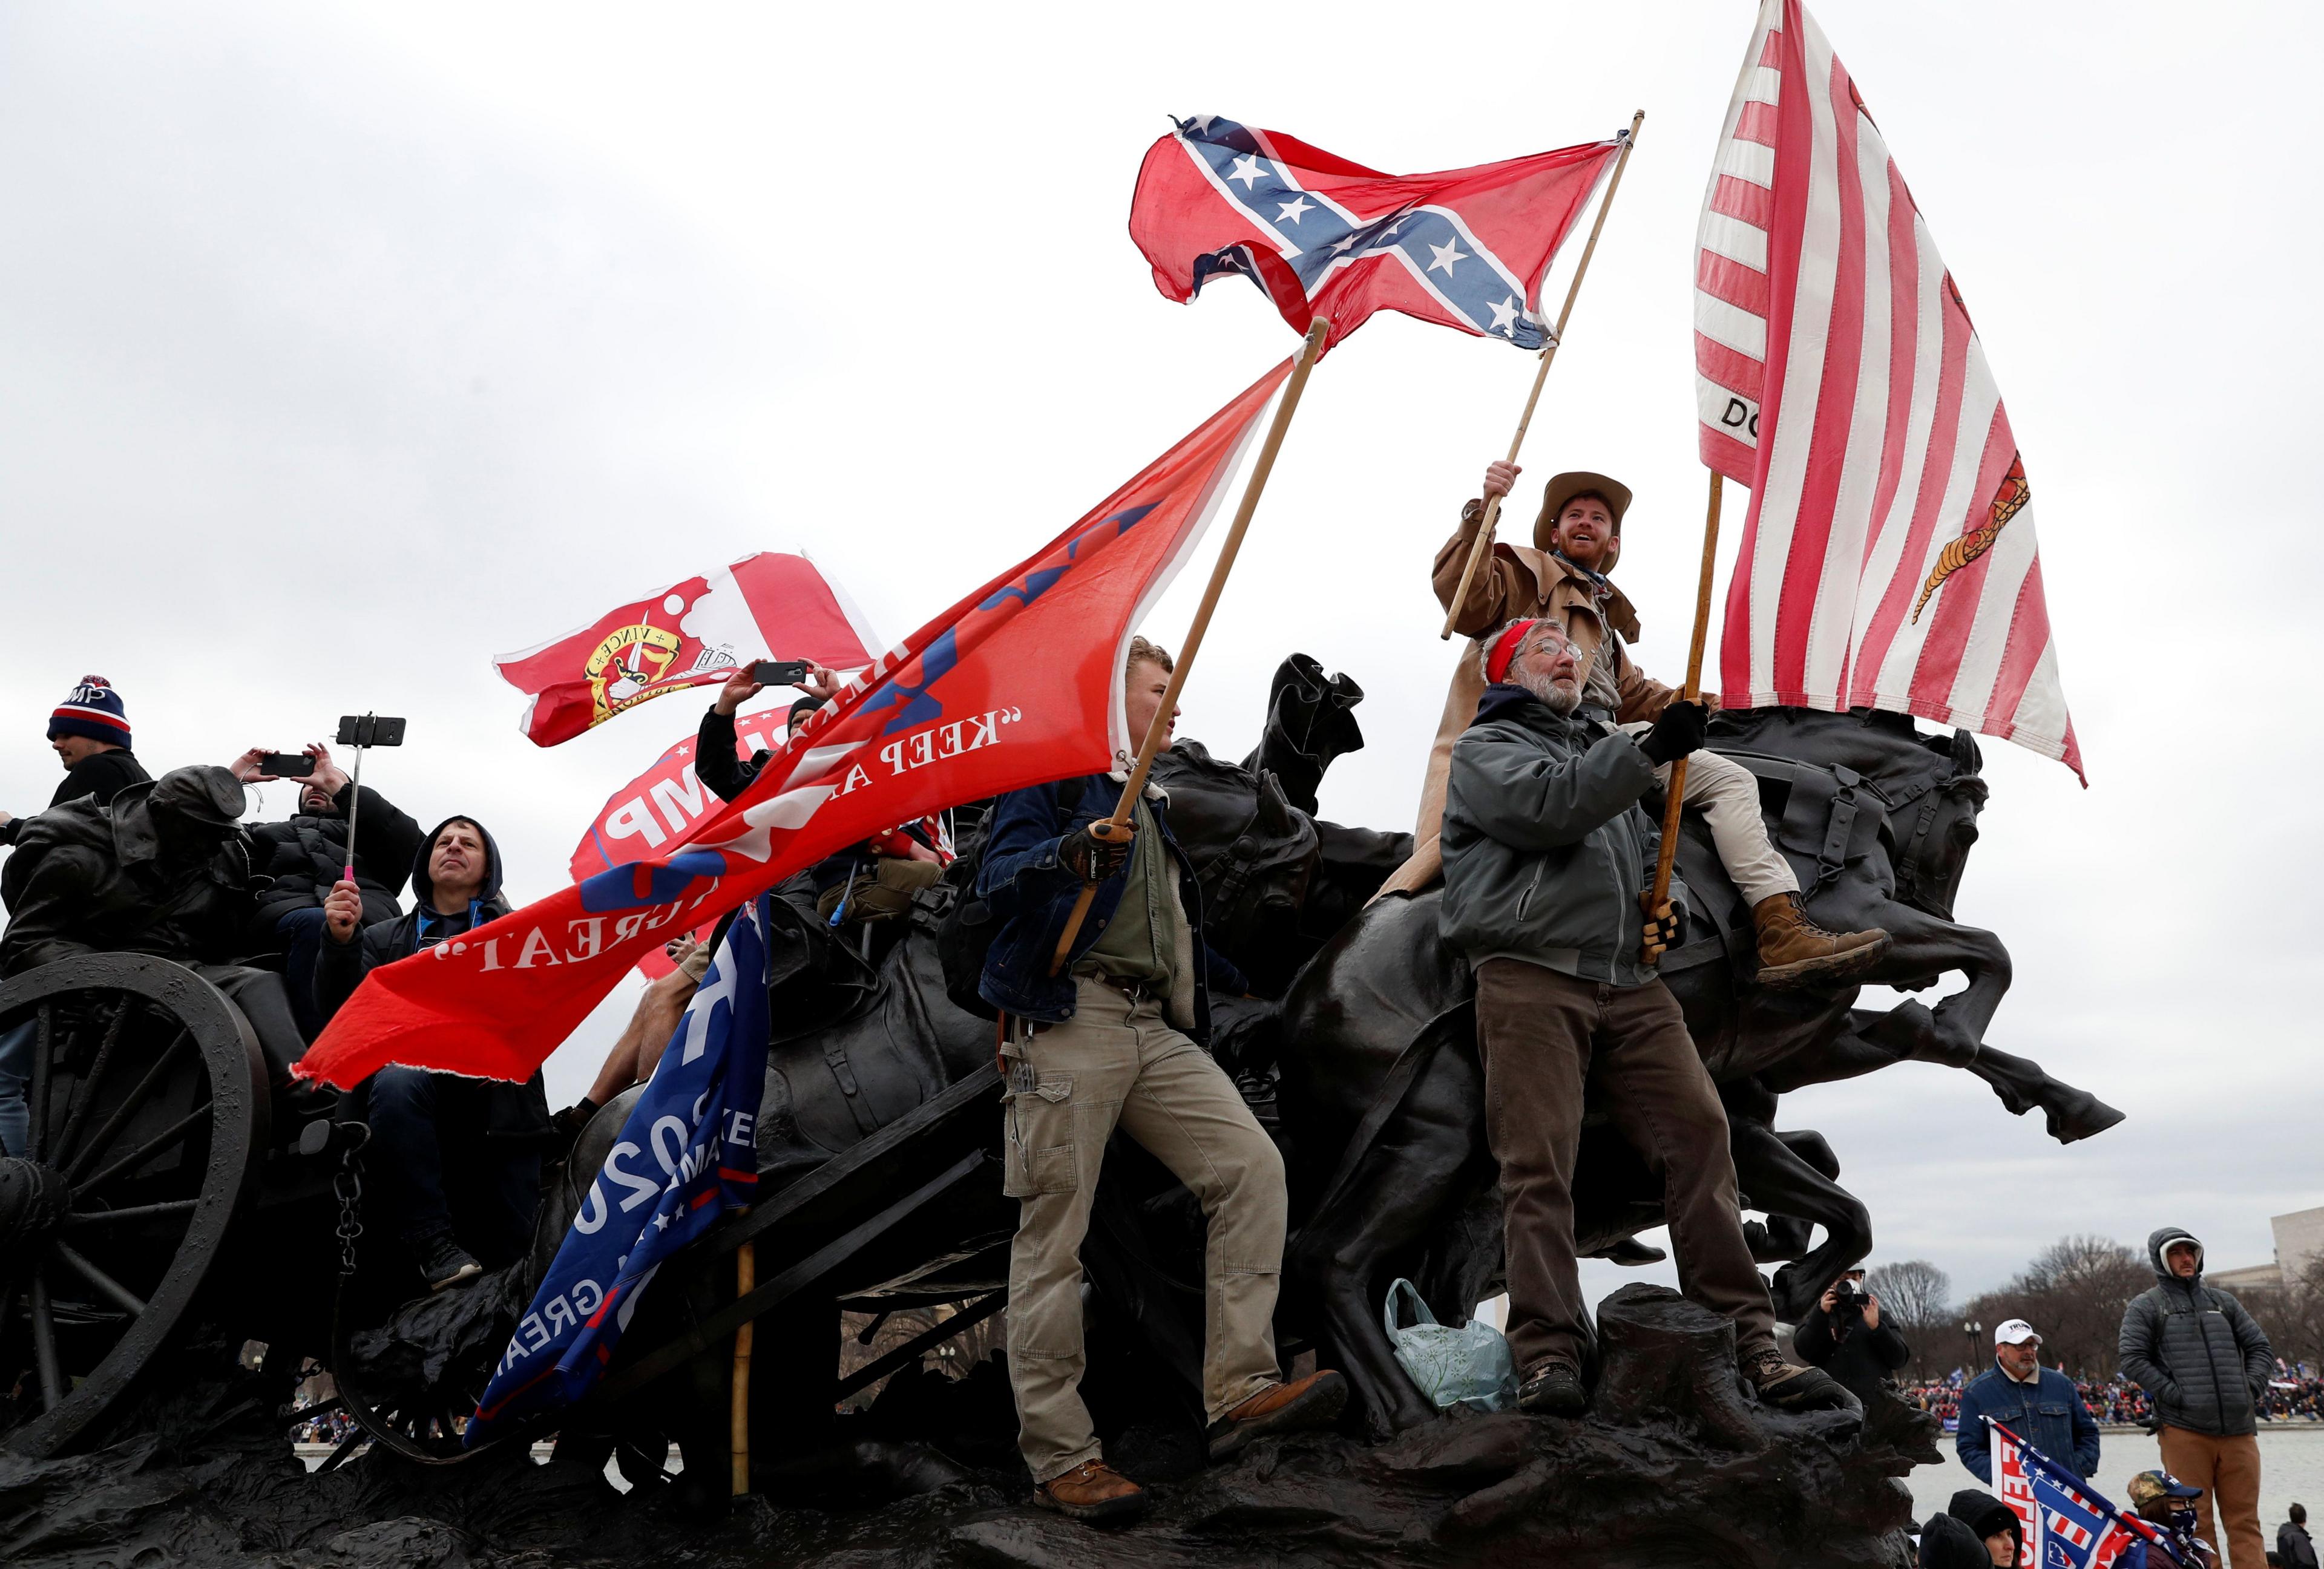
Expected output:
{"points": [[147, 1108]]}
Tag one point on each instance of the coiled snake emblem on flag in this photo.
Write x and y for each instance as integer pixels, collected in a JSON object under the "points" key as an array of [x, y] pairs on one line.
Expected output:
{"points": [[2008, 501]]}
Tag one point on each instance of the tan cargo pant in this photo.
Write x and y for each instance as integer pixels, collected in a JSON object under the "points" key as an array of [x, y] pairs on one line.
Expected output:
{"points": [[1726, 794], [1115, 1065], [2228, 1470]]}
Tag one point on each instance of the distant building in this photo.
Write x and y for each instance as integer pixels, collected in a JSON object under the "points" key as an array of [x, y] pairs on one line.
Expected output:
{"points": [[2298, 1242]]}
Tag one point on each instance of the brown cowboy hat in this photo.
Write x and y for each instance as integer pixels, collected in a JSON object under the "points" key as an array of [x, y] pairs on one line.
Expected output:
{"points": [[1564, 487]]}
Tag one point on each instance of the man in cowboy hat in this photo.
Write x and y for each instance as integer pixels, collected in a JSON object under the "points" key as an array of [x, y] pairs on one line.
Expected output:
{"points": [[1577, 540]]}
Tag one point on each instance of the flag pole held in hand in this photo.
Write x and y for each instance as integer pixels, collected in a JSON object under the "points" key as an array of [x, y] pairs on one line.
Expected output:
{"points": [[1674, 796], [1483, 543], [1116, 829]]}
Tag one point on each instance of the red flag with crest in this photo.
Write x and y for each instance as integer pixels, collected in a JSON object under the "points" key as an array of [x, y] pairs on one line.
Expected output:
{"points": [[1018, 683], [690, 635]]}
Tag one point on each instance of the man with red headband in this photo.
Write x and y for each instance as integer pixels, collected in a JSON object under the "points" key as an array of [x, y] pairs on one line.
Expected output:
{"points": [[1577, 540], [1548, 860]]}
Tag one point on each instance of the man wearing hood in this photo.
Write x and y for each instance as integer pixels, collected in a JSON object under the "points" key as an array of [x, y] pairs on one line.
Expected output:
{"points": [[1547, 863], [1577, 540], [307, 854], [457, 1160], [163, 868], [2197, 1353]]}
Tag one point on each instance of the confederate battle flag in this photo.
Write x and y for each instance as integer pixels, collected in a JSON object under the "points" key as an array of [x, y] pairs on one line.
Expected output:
{"points": [[1018, 684], [770, 605], [1466, 249], [1888, 559]]}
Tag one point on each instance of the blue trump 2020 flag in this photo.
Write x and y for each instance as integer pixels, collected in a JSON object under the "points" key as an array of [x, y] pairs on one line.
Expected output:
{"points": [[687, 1154]]}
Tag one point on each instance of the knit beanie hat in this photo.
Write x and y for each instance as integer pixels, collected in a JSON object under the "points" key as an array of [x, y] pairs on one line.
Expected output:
{"points": [[92, 709]]}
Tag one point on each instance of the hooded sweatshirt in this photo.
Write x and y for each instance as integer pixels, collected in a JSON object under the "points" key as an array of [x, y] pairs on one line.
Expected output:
{"points": [[2194, 1349], [1985, 1516], [340, 968]]}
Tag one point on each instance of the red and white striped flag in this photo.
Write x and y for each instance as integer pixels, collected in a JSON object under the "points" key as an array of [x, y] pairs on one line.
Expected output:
{"points": [[1889, 560]]}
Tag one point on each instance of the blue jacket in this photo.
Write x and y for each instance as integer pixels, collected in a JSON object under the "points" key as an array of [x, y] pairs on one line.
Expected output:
{"points": [[1031, 893], [2050, 1415]]}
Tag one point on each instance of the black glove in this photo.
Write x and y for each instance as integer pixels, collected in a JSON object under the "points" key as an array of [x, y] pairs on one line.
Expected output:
{"points": [[1661, 933], [1091, 858], [1677, 732]]}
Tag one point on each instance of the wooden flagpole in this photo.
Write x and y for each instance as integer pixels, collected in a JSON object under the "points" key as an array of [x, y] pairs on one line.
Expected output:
{"points": [[1118, 825], [1675, 798], [1485, 525], [746, 1280]]}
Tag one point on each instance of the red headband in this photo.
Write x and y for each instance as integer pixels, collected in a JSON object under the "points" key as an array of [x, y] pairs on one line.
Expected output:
{"points": [[1505, 649]]}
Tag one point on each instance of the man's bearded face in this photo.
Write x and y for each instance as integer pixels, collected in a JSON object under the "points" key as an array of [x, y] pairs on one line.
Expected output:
{"points": [[1548, 667]]}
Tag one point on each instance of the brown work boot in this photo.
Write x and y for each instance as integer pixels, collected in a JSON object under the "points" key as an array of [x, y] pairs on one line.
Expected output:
{"points": [[1793, 950], [1314, 1401], [1790, 1388], [1092, 1490]]}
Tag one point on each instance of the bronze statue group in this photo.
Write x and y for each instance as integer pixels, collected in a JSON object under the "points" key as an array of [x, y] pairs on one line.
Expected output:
{"points": [[1532, 817]]}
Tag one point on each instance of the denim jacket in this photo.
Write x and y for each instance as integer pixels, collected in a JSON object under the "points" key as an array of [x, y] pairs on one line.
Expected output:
{"points": [[1031, 893], [2048, 1415]]}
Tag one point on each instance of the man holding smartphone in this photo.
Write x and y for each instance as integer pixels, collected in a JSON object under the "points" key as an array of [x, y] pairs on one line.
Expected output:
{"points": [[307, 854], [873, 881]]}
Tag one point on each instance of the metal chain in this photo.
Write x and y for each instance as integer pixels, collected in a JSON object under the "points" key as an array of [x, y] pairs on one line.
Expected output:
{"points": [[348, 1184]]}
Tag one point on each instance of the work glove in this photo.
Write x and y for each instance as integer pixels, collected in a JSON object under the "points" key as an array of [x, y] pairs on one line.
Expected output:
{"points": [[1093, 858], [1677, 731], [1661, 929]]}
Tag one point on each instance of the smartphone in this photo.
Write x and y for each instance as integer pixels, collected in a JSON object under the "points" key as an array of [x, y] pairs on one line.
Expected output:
{"points": [[779, 672], [286, 765], [370, 730]]}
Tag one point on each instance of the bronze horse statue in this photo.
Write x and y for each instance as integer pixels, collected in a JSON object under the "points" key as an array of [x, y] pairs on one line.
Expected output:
{"points": [[1382, 1096], [1360, 1058]]}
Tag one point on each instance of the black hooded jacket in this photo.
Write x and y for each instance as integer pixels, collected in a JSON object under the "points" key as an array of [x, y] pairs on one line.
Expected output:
{"points": [[98, 777], [1982, 1515], [340, 968], [2194, 1349], [163, 869], [306, 853]]}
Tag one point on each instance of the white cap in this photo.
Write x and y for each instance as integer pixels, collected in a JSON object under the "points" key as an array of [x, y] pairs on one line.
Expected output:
{"points": [[2015, 1331]]}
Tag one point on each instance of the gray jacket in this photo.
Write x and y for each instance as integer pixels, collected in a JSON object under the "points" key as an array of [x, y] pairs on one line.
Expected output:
{"points": [[2194, 1349], [1546, 848]]}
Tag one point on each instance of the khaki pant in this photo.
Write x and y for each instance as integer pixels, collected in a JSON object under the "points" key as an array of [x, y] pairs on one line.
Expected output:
{"points": [[1726, 794], [1545, 1037], [2227, 1470], [1115, 1065]]}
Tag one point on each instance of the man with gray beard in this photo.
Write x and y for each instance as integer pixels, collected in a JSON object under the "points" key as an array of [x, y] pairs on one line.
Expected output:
{"points": [[1548, 858]]}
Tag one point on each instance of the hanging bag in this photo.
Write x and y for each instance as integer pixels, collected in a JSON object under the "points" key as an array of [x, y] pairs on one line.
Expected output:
{"points": [[1467, 1365]]}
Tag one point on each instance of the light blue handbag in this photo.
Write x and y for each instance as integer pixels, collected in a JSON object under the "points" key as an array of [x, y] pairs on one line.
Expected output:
{"points": [[1469, 1365]]}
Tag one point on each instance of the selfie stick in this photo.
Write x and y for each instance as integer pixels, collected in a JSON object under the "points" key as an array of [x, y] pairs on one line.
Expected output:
{"points": [[355, 805]]}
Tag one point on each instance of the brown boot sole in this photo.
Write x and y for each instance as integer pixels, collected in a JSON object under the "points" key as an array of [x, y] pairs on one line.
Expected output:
{"points": [[1319, 1406], [1127, 1506], [1830, 967]]}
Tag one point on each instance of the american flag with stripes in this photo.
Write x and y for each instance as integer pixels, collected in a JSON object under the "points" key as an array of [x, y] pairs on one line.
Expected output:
{"points": [[1888, 559]]}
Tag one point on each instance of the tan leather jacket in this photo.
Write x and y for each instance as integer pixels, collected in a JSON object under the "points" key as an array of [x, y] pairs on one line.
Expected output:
{"points": [[1514, 580]]}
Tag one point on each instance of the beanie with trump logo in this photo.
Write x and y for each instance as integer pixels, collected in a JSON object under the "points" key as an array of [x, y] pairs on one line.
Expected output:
{"points": [[92, 709]]}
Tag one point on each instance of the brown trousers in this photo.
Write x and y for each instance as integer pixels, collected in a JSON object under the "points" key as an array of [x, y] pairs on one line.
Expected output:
{"points": [[2226, 1470], [1545, 1037]]}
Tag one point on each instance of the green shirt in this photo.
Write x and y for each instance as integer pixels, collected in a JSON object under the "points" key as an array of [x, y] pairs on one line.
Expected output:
{"points": [[1140, 943]]}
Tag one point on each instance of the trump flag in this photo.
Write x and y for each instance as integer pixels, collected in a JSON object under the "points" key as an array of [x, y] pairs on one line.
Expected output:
{"points": [[688, 1153], [1888, 559], [693, 633], [1018, 684], [1465, 248]]}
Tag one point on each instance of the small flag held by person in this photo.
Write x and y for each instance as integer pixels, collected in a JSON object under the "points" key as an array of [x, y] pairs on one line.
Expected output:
{"points": [[1465, 248], [693, 633], [1017, 684], [2067, 1523], [1888, 559], [687, 1155]]}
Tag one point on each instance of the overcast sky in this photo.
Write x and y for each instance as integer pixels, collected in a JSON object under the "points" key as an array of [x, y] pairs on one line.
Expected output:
{"points": [[344, 349]]}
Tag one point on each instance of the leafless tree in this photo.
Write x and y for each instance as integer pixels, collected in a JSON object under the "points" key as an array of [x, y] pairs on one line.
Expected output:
{"points": [[2074, 1295], [1916, 1300]]}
